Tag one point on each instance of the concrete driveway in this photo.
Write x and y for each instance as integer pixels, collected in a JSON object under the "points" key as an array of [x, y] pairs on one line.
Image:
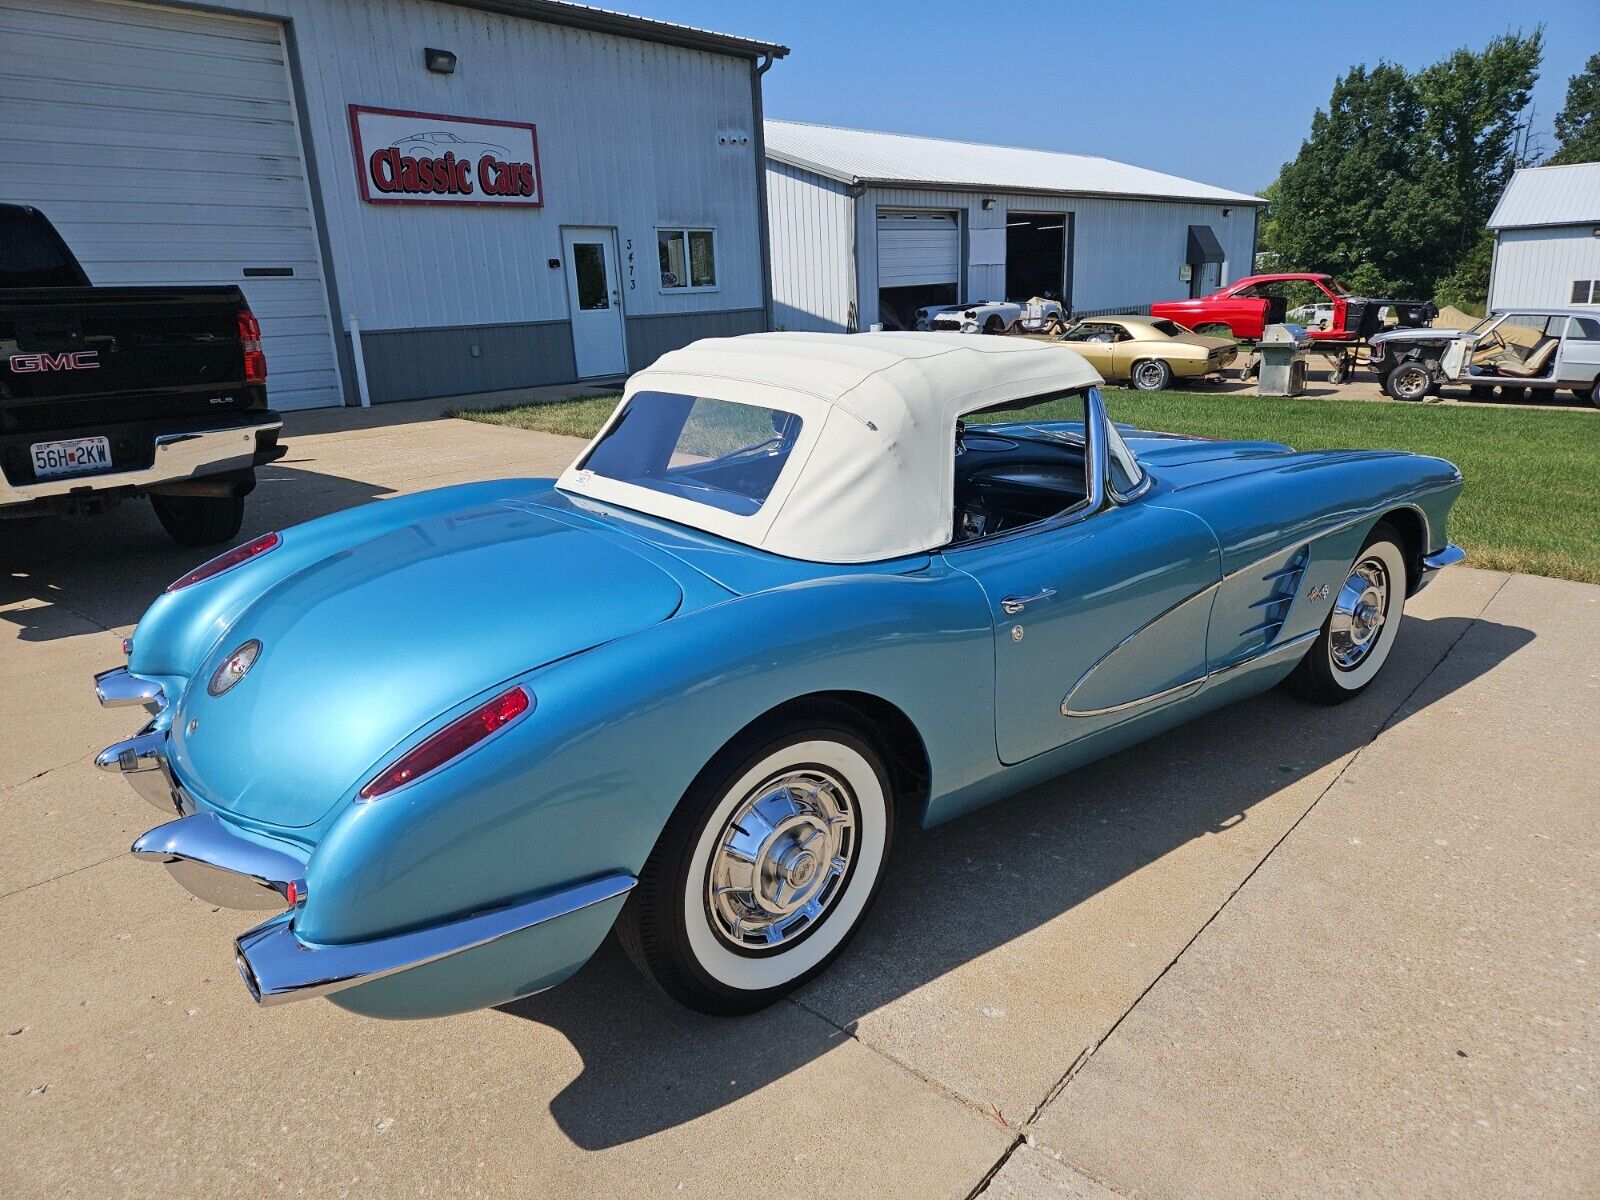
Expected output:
{"points": [[1284, 951]]}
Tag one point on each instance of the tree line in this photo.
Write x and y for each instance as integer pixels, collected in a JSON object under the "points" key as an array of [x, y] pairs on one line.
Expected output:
{"points": [[1392, 189]]}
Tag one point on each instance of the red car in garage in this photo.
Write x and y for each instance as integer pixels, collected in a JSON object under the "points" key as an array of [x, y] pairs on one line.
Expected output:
{"points": [[1247, 306]]}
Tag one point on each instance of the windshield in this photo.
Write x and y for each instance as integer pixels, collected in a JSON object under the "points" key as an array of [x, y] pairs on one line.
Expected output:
{"points": [[717, 452]]}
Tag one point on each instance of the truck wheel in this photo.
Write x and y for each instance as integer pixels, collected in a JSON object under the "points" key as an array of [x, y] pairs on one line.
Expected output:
{"points": [[199, 520], [1150, 375], [1409, 381]]}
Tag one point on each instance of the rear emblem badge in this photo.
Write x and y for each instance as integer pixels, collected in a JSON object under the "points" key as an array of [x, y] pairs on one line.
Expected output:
{"points": [[234, 667]]}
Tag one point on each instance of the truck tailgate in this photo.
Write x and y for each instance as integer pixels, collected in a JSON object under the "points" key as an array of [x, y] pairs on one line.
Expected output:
{"points": [[77, 357]]}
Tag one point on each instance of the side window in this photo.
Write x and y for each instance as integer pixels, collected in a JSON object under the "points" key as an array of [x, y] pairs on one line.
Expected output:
{"points": [[1583, 329], [688, 259]]}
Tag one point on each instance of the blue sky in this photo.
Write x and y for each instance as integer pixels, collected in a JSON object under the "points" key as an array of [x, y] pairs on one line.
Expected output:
{"points": [[1223, 93]]}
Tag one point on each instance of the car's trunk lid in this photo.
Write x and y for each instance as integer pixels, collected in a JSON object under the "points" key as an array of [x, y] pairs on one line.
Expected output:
{"points": [[361, 650]]}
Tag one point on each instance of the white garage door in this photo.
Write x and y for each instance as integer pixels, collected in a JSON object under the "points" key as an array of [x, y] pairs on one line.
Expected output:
{"points": [[163, 145], [916, 248]]}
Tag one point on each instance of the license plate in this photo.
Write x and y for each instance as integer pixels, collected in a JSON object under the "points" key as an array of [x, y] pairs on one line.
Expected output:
{"points": [[70, 457]]}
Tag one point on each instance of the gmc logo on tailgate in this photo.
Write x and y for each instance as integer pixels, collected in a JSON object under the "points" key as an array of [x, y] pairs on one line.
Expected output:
{"points": [[78, 360]]}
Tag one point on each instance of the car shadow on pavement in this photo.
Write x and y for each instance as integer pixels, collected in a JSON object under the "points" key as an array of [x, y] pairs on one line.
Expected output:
{"points": [[63, 576], [959, 891]]}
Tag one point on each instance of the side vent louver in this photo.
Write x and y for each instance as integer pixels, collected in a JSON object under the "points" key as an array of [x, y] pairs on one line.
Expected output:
{"points": [[1273, 608]]}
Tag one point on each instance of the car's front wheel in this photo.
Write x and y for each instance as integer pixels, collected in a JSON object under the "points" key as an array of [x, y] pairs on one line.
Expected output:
{"points": [[1409, 381], [1151, 375], [1360, 629], [766, 868]]}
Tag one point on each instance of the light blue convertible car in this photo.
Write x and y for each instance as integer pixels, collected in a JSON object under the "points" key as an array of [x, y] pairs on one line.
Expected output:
{"points": [[799, 587]]}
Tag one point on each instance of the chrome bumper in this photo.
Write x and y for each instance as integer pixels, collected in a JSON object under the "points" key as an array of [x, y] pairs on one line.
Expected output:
{"points": [[1440, 559], [278, 967], [221, 867], [177, 456], [142, 761]]}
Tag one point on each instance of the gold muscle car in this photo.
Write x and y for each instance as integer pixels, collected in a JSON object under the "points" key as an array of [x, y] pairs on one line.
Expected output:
{"points": [[1149, 351]]}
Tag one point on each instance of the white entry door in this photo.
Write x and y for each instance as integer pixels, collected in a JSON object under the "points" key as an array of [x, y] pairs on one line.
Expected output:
{"points": [[599, 342]]}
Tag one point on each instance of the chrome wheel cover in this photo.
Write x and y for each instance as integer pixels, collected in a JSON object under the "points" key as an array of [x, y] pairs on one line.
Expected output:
{"points": [[781, 860], [1149, 376], [1359, 614]]}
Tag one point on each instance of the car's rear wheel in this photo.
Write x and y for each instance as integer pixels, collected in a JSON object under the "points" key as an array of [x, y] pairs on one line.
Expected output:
{"points": [[1409, 381], [766, 868], [1361, 628], [199, 520], [1150, 375]]}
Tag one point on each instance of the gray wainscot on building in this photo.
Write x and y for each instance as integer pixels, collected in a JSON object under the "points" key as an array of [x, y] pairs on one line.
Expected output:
{"points": [[868, 227], [1547, 239], [494, 193]]}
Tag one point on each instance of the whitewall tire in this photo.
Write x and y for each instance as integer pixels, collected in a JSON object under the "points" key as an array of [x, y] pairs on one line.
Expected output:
{"points": [[1362, 626], [766, 868]]}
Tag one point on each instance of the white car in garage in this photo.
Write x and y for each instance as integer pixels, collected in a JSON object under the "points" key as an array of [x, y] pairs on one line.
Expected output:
{"points": [[1038, 315]]}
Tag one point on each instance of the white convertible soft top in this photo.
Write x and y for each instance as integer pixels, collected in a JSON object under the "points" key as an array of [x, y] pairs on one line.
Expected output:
{"points": [[872, 473]]}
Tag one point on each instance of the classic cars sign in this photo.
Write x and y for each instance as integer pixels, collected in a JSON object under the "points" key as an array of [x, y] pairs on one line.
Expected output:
{"points": [[428, 158]]}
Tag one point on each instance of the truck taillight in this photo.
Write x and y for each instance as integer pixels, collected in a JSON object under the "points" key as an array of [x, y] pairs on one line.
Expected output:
{"points": [[255, 362]]}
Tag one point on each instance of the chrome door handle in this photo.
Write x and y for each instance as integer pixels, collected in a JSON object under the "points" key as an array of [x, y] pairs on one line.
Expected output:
{"points": [[1012, 605]]}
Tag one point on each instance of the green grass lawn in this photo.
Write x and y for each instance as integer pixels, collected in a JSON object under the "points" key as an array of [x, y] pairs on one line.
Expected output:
{"points": [[1532, 496]]}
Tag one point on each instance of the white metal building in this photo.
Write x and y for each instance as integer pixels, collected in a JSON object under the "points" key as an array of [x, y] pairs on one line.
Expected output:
{"points": [[867, 227], [1547, 239], [499, 193]]}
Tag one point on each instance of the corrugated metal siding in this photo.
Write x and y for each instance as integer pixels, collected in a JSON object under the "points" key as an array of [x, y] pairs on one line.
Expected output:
{"points": [[164, 146], [811, 227], [1535, 267], [628, 137], [411, 364], [1125, 253], [1550, 196], [651, 337]]}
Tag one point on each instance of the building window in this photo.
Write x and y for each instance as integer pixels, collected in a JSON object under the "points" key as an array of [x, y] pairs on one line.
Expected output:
{"points": [[1586, 291], [688, 259]]}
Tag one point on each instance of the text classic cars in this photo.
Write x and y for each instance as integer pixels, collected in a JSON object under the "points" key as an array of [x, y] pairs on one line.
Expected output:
{"points": [[797, 585]]}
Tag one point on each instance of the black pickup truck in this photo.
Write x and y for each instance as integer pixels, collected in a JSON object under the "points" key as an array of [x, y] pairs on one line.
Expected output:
{"points": [[107, 393]]}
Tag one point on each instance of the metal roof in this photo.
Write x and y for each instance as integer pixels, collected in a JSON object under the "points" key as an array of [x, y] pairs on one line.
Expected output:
{"points": [[600, 20], [1550, 196], [897, 159]]}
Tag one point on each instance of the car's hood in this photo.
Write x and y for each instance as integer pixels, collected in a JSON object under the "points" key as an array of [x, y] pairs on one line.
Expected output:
{"points": [[1417, 335], [361, 649]]}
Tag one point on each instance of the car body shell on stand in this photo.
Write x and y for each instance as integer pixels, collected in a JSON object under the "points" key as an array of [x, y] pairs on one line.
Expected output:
{"points": [[448, 736]]}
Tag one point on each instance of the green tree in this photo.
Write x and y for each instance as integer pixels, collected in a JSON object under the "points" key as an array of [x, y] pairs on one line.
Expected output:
{"points": [[1578, 122], [1393, 186], [1331, 205]]}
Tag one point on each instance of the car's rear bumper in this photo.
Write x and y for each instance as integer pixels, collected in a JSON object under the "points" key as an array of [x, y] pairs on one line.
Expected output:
{"points": [[482, 958], [277, 966], [175, 456]]}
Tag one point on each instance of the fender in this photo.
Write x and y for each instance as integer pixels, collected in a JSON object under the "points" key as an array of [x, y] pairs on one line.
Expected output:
{"points": [[619, 732]]}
